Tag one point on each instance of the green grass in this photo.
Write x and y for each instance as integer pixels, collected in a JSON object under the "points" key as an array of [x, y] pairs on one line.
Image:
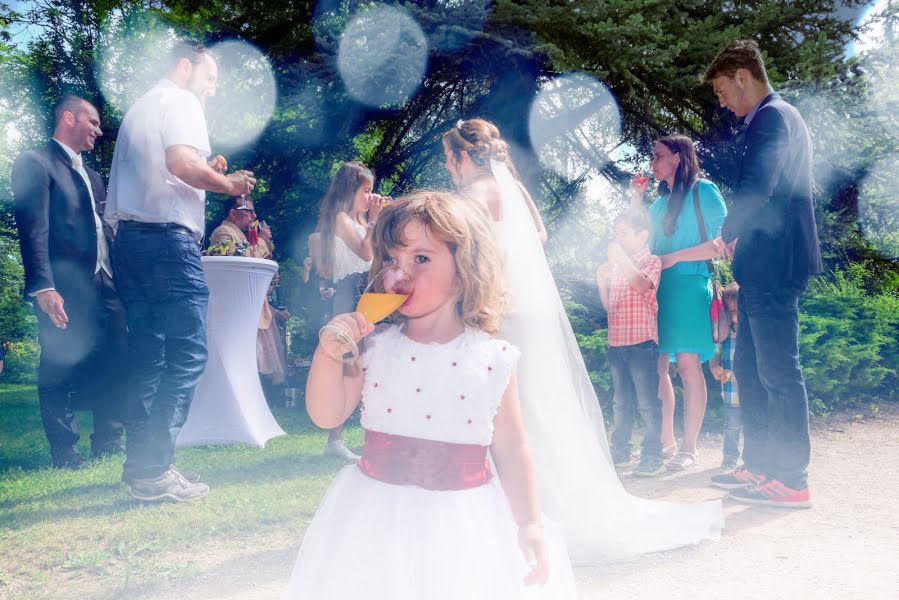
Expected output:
{"points": [[77, 534]]}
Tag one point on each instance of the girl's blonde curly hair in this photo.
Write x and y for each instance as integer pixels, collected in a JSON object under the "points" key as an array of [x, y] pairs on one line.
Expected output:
{"points": [[464, 227]]}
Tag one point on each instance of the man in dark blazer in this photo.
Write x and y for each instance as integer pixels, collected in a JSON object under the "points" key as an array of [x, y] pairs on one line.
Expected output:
{"points": [[771, 235], [65, 251]]}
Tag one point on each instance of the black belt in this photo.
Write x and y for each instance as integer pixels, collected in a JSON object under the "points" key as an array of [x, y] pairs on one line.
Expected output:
{"points": [[174, 227]]}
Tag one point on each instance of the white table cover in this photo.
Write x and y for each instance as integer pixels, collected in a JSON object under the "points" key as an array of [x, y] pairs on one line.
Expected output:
{"points": [[229, 406]]}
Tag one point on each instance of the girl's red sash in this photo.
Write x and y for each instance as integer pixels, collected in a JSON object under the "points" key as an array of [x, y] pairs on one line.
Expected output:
{"points": [[427, 464]]}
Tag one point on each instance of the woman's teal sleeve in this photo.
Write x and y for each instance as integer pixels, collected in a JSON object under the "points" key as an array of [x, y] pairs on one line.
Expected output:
{"points": [[713, 209]]}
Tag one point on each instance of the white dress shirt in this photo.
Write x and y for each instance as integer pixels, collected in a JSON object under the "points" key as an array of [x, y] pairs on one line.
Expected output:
{"points": [[141, 187]]}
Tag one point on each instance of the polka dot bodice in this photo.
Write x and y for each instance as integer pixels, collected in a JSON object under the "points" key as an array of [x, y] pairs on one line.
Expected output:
{"points": [[445, 392]]}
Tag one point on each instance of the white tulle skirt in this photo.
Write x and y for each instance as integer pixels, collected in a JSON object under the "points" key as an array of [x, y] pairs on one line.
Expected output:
{"points": [[375, 540]]}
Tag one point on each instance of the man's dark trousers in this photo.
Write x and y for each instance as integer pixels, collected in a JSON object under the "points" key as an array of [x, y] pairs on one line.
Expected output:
{"points": [[87, 361], [773, 398]]}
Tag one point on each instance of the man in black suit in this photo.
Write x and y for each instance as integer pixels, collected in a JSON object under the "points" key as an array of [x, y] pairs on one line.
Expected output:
{"points": [[65, 251], [771, 235]]}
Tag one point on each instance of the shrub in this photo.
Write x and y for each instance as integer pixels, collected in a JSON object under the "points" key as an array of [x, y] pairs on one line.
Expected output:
{"points": [[849, 327], [303, 338], [20, 364], [847, 341], [594, 344]]}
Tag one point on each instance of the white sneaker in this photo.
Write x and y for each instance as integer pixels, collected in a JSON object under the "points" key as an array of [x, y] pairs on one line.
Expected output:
{"points": [[337, 448]]}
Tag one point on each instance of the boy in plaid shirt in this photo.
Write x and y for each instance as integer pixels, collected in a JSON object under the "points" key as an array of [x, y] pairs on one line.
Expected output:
{"points": [[627, 287], [722, 367]]}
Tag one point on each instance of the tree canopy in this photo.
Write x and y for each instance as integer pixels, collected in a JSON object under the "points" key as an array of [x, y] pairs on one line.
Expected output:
{"points": [[482, 58]]}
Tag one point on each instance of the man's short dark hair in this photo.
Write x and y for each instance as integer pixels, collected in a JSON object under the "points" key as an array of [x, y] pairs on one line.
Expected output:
{"points": [[68, 103], [236, 202], [739, 54], [189, 49], [635, 218]]}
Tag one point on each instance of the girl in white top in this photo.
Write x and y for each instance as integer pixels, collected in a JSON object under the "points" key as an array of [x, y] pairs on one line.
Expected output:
{"points": [[344, 249], [421, 515]]}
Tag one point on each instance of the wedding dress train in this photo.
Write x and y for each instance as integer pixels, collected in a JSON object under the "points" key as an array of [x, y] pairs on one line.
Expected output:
{"points": [[579, 487]]}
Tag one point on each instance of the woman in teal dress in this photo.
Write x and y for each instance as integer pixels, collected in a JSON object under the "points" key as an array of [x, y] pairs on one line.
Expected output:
{"points": [[685, 292]]}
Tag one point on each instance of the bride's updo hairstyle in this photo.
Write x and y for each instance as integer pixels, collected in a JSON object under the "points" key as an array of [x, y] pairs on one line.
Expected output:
{"points": [[465, 228], [480, 139]]}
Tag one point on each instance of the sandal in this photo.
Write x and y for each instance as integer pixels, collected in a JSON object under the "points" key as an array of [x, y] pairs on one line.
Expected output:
{"points": [[683, 460], [669, 452]]}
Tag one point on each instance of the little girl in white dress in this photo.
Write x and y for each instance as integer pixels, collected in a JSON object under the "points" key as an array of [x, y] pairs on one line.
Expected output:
{"points": [[422, 515]]}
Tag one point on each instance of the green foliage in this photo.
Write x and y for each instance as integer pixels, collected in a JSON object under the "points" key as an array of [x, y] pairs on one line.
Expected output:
{"points": [[595, 348], [594, 343], [653, 53], [849, 325], [17, 321], [856, 137], [303, 337], [304, 300], [848, 341], [20, 364]]}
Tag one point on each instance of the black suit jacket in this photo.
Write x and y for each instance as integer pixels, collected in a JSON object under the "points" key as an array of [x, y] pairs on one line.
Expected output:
{"points": [[57, 231], [773, 209]]}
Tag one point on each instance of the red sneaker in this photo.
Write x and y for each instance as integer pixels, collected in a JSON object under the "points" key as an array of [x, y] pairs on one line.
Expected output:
{"points": [[773, 493], [739, 477]]}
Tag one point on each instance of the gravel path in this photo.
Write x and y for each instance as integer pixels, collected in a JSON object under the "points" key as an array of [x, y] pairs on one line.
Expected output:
{"points": [[845, 547]]}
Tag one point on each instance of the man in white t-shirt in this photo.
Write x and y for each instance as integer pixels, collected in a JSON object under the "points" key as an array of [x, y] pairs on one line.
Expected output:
{"points": [[156, 203]]}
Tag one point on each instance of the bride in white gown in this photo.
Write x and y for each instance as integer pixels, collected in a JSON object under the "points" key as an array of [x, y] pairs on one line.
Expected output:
{"points": [[579, 488]]}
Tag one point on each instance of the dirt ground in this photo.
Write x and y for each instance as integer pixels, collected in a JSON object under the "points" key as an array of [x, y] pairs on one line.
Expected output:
{"points": [[845, 547]]}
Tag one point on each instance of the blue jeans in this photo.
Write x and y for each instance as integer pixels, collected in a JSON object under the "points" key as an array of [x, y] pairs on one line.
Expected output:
{"points": [[773, 399], [635, 377], [161, 283], [733, 426]]}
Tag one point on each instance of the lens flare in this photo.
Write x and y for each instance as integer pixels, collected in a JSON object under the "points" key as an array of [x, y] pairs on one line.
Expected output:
{"points": [[22, 125], [132, 53], [10, 138], [574, 125], [881, 67], [580, 234], [383, 56], [871, 33], [833, 136], [246, 95], [10, 126], [878, 208]]}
